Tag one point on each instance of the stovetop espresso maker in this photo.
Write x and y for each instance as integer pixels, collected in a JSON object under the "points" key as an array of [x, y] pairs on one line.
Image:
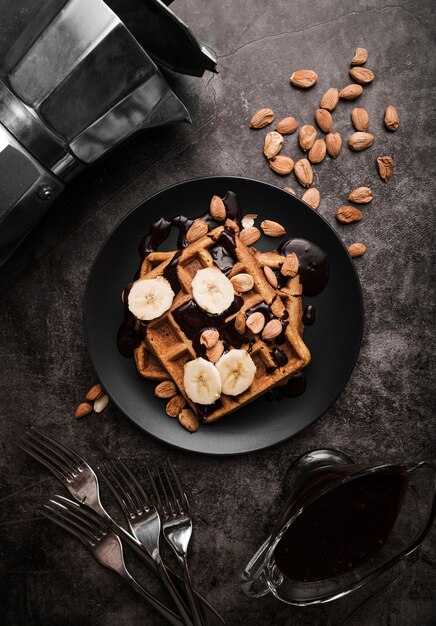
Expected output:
{"points": [[80, 79]]}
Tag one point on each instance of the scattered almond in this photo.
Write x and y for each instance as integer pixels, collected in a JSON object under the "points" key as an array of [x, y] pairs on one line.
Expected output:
{"points": [[272, 330], [317, 151], [94, 393], [361, 195], [289, 190], [166, 389], [232, 225], [272, 229], [248, 236], [360, 141], [360, 119], [83, 409], [304, 173], [356, 249], [217, 209], [304, 78], [240, 323], [189, 420], [360, 56], [213, 354], [351, 92], [333, 143], [255, 322], [101, 403], [197, 230], [347, 214], [307, 136], [282, 165], [392, 119], [362, 75], [248, 220], [324, 120], [287, 125], [330, 99], [273, 144], [270, 276], [209, 337], [312, 197], [175, 405], [262, 118], [242, 283], [290, 265], [385, 167]]}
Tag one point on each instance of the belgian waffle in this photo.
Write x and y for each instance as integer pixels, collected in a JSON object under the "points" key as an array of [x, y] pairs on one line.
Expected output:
{"points": [[170, 344]]}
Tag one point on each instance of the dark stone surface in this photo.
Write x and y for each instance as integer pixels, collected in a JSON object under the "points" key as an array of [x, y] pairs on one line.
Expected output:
{"points": [[384, 414]]}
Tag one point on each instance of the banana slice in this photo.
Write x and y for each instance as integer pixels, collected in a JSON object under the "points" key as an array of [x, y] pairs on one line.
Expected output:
{"points": [[212, 290], [202, 381], [149, 299], [237, 371]]}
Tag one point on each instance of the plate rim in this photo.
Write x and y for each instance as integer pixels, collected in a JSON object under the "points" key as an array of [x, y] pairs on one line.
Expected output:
{"points": [[331, 401]]}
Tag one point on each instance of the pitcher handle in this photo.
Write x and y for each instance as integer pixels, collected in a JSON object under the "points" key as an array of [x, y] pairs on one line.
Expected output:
{"points": [[253, 579]]}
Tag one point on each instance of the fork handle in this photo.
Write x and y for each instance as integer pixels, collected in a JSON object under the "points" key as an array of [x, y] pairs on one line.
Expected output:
{"points": [[193, 604], [174, 593], [169, 615]]}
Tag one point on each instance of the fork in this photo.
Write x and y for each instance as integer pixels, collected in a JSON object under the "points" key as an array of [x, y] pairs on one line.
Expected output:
{"points": [[142, 516], [82, 483], [104, 544], [173, 507]]}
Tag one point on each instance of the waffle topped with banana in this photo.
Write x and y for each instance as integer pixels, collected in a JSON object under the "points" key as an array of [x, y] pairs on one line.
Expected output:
{"points": [[217, 322]]}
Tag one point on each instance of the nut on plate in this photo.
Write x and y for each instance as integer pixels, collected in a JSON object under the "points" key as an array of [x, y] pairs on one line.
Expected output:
{"points": [[272, 330], [250, 235], [290, 265], [166, 389], [272, 229], [255, 322], [209, 337], [217, 209], [214, 353], [189, 420], [270, 276], [175, 405], [196, 231], [242, 283]]}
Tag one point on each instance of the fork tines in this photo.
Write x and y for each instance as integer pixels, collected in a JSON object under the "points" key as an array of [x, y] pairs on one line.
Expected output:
{"points": [[56, 457], [85, 525], [125, 487], [167, 490]]}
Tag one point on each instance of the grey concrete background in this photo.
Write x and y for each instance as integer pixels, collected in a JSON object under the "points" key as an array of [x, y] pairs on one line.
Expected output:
{"points": [[385, 412]]}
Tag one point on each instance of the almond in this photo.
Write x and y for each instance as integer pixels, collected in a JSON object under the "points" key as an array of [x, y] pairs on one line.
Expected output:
{"points": [[94, 393], [392, 119], [101, 403], [270, 276], [304, 173], [248, 220], [312, 197], [175, 405], [272, 229], [262, 118], [248, 236], [333, 143], [273, 144], [361, 195], [189, 420], [330, 99], [240, 323], [290, 265], [360, 119], [304, 78], [213, 354], [282, 165], [317, 151], [232, 225], [362, 75], [360, 141], [307, 136], [242, 283], [287, 125], [351, 92], [272, 330], [209, 337], [289, 190], [385, 167], [83, 409], [324, 120], [196, 231], [347, 214], [255, 322], [217, 209], [166, 389], [360, 56], [356, 249]]}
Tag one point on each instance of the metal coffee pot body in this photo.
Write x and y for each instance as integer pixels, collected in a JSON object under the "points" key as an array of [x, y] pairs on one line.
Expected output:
{"points": [[76, 84]]}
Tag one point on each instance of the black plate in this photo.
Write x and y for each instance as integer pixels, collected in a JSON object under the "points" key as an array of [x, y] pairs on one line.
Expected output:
{"points": [[334, 340]]}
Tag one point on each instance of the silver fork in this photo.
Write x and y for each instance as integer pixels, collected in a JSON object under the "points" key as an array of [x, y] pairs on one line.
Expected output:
{"points": [[82, 483], [104, 544], [173, 507], [142, 516]]}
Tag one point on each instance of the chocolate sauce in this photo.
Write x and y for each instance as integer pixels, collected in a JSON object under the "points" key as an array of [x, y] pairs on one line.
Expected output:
{"points": [[342, 529], [295, 386], [204, 410], [233, 208], [309, 315], [313, 264], [128, 338], [279, 357], [170, 273], [224, 252]]}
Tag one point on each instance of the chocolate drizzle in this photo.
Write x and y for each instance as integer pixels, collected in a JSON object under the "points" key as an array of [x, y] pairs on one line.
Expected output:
{"points": [[224, 252], [128, 338], [309, 315], [295, 386], [313, 264]]}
